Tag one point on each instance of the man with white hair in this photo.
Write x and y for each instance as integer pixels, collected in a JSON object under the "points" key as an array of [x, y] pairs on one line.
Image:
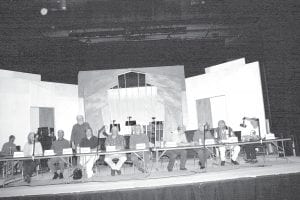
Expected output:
{"points": [[222, 133], [78, 131]]}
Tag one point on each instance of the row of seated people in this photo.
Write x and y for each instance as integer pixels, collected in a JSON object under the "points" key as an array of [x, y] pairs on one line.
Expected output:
{"points": [[57, 164]]}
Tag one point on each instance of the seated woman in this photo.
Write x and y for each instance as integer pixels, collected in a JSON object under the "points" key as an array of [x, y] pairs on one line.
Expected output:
{"points": [[250, 133], [119, 142], [31, 148]]}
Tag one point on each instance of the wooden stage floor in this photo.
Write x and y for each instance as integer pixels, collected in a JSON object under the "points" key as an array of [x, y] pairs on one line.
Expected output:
{"points": [[160, 178]]}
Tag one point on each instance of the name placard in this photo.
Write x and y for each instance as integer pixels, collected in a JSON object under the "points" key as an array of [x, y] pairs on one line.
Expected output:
{"points": [[110, 148], [18, 154], [49, 152], [232, 139], [270, 136], [170, 144], [210, 141], [67, 151], [207, 142], [85, 150], [140, 146]]}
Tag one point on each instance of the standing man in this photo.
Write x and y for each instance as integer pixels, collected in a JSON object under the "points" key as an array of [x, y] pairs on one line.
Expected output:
{"points": [[119, 142], [179, 137], [57, 164], [222, 133], [78, 132]]}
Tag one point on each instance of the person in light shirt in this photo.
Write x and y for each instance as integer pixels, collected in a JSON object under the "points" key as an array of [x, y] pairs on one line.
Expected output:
{"points": [[250, 133], [222, 133], [31, 148], [178, 136]]}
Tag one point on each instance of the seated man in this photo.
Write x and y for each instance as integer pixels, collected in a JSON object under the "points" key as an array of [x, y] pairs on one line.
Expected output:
{"points": [[250, 133], [9, 147], [179, 137], [58, 147], [90, 141], [222, 133], [114, 139], [202, 153], [137, 138]]}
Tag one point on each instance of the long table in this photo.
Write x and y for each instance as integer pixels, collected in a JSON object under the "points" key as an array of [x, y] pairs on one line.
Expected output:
{"points": [[157, 151], [188, 146], [92, 153]]}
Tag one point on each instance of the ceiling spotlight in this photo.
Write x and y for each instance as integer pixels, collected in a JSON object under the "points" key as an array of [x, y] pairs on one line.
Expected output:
{"points": [[44, 11]]}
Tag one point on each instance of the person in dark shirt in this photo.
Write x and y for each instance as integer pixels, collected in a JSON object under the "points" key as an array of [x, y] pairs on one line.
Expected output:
{"points": [[9, 147], [119, 142], [78, 132], [89, 140], [57, 164], [137, 138], [88, 160], [198, 138]]}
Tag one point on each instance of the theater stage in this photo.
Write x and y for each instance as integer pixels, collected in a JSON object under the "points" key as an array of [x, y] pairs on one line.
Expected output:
{"points": [[277, 179]]}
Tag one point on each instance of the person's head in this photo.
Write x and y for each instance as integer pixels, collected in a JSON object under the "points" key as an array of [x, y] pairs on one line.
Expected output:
{"points": [[221, 124], [12, 138], [254, 123], [30, 137], [137, 130], [181, 129], [79, 119], [60, 134], [89, 133], [114, 131]]}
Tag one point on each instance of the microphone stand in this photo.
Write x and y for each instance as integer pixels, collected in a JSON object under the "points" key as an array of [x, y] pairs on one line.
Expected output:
{"points": [[98, 139], [204, 145], [33, 147]]}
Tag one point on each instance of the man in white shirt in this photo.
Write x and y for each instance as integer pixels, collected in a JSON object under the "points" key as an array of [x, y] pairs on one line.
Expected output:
{"points": [[179, 138], [222, 133]]}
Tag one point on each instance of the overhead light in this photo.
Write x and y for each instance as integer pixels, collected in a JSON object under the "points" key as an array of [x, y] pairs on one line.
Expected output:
{"points": [[44, 11]]}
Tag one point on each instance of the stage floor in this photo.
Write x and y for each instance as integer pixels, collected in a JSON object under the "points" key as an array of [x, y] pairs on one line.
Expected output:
{"points": [[158, 178]]}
